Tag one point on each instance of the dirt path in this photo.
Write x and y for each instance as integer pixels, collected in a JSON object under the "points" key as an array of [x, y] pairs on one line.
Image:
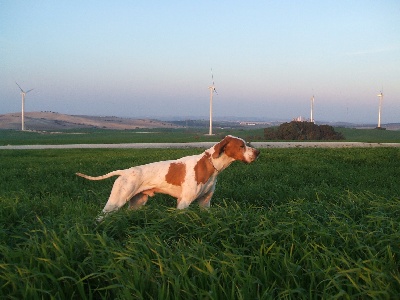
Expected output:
{"points": [[204, 145]]}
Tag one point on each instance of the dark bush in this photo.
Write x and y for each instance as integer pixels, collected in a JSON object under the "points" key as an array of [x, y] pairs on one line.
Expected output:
{"points": [[302, 131]]}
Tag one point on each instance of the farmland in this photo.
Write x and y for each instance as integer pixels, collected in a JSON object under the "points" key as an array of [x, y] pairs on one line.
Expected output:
{"points": [[296, 224], [162, 135]]}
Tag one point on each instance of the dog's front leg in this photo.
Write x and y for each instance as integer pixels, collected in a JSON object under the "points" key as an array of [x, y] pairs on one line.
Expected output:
{"points": [[205, 200], [183, 203]]}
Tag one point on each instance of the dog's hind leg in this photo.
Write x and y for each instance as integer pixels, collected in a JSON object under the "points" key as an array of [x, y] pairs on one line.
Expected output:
{"points": [[138, 201], [123, 190]]}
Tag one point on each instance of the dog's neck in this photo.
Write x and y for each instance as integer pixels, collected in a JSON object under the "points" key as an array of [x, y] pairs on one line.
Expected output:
{"points": [[212, 163], [220, 163]]}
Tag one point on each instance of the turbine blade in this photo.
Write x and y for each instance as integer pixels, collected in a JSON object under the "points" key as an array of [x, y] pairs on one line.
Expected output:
{"points": [[29, 91], [20, 87], [213, 84]]}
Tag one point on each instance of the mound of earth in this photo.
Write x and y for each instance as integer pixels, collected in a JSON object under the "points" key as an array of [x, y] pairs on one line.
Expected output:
{"points": [[302, 131]]}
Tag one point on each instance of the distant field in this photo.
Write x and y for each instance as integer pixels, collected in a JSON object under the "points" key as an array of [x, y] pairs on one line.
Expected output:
{"points": [[370, 135], [296, 224], [100, 136]]}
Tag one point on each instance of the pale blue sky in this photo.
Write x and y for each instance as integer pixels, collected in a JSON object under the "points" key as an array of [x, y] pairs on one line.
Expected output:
{"points": [[154, 58]]}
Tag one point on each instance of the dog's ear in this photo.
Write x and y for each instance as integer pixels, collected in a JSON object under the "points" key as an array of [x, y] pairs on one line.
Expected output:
{"points": [[219, 148]]}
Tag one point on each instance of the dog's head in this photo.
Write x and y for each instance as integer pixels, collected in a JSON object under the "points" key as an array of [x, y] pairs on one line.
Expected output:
{"points": [[235, 148]]}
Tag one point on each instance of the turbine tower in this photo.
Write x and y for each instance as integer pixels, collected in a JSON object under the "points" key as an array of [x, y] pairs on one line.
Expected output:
{"points": [[212, 90], [380, 95], [312, 109], [23, 93]]}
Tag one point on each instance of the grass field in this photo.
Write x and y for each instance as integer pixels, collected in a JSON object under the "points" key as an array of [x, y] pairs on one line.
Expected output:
{"points": [[370, 135], [102, 136], [296, 224]]}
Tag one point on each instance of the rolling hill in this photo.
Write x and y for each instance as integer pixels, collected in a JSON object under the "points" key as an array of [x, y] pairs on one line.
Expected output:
{"points": [[57, 121]]}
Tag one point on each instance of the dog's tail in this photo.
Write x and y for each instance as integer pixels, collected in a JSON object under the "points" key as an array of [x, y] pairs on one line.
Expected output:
{"points": [[108, 175]]}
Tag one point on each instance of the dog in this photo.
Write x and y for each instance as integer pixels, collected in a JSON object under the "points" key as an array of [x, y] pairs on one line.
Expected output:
{"points": [[187, 179]]}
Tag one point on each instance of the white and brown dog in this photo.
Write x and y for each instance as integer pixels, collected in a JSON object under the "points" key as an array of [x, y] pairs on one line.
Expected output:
{"points": [[188, 179]]}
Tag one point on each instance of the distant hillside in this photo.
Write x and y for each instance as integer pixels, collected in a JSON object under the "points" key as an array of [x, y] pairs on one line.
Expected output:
{"points": [[56, 121], [53, 121]]}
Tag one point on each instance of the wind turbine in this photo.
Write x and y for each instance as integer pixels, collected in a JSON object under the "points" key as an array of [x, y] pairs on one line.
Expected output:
{"points": [[23, 93], [312, 109], [212, 90], [380, 95]]}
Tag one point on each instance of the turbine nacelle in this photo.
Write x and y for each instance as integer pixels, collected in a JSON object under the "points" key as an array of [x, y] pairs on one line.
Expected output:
{"points": [[212, 88]]}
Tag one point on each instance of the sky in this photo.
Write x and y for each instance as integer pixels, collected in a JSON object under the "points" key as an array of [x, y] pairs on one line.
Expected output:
{"points": [[154, 58]]}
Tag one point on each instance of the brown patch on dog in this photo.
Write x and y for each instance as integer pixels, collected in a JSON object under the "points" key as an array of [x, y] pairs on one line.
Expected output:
{"points": [[219, 148], [232, 147], [176, 174], [235, 149], [204, 169]]}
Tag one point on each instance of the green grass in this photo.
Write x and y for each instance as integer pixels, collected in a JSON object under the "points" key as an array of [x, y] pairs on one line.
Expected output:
{"points": [[296, 224], [103, 136], [370, 135]]}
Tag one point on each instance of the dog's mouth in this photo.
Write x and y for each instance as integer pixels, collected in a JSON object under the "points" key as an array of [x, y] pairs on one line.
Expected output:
{"points": [[256, 153], [253, 156]]}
